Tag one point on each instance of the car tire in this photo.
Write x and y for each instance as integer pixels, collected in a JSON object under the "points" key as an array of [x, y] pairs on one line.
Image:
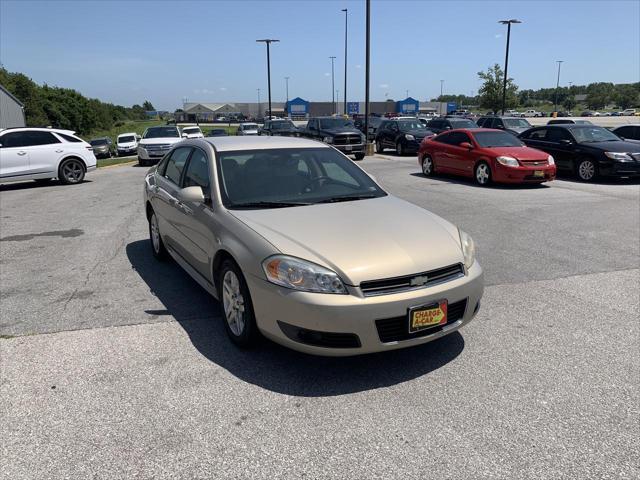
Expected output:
{"points": [[157, 245], [359, 156], [482, 174], [399, 149], [427, 166], [142, 162], [71, 171], [237, 308], [586, 170], [379, 147]]}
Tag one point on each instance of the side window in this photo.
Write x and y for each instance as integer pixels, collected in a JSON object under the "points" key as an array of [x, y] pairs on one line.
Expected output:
{"points": [[538, 134], [14, 139], [557, 134], [69, 138], [197, 174], [41, 138], [456, 138], [480, 122], [175, 164], [497, 123], [443, 138], [624, 132]]}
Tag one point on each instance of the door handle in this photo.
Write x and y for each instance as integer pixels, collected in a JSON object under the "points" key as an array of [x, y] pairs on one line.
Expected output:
{"points": [[59, 151], [22, 153]]}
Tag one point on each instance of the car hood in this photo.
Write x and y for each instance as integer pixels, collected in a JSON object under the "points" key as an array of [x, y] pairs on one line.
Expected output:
{"points": [[360, 240], [518, 129], [337, 131], [519, 153], [171, 140], [418, 133], [617, 146], [126, 144]]}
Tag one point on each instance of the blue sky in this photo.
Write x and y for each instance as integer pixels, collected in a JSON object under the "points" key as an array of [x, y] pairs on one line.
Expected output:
{"points": [[164, 51]]}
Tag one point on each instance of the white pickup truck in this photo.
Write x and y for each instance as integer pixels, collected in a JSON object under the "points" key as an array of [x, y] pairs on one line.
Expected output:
{"points": [[532, 113]]}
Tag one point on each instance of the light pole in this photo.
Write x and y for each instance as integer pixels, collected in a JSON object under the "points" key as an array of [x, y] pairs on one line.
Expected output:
{"points": [[407, 94], [367, 63], [506, 59], [440, 106], [344, 92], [268, 42], [258, 103], [333, 91], [555, 98], [286, 79]]}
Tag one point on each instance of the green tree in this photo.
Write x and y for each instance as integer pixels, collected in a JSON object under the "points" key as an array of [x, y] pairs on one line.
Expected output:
{"points": [[569, 102], [628, 95], [148, 106], [490, 92], [599, 94]]}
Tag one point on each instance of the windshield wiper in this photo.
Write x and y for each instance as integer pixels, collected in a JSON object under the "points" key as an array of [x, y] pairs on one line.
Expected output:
{"points": [[268, 204], [348, 198]]}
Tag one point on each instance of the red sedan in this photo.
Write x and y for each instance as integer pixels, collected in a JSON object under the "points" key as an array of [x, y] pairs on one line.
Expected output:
{"points": [[486, 155]]}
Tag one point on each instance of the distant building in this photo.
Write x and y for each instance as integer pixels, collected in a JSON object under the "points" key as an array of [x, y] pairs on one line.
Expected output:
{"points": [[11, 110]]}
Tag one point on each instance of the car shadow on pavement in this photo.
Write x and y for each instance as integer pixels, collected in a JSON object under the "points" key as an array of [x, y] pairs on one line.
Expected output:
{"points": [[272, 366], [27, 184], [455, 179]]}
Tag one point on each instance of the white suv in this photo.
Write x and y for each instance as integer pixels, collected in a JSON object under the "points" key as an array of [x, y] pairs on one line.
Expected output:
{"points": [[42, 154], [127, 144], [156, 141], [192, 132]]}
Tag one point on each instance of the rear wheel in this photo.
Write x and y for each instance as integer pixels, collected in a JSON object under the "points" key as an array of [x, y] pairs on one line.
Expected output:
{"points": [[483, 174], [71, 171], [359, 156], [400, 149], [240, 320], [157, 245], [427, 166], [586, 170]]}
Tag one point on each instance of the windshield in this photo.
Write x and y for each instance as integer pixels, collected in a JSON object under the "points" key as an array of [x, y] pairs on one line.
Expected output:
{"points": [[191, 130], [160, 132], [282, 125], [99, 141], [290, 177], [593, 134], [496, 139], [330, 123], [126, 139], [463, 124], [411, 125], [516, 123], [249, 126]]}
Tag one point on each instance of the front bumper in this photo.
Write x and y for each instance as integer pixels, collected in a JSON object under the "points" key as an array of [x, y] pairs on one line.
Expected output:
{"points": [[521, 174], [349, 149], [354, 314], [127, 151], [620, 169]]}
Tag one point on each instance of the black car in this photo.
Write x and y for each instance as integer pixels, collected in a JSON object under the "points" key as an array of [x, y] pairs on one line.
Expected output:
{"points": [[374, 123], [588, 151], [509, 124], [404, 135], [564, 121], [217, 132], [628, 132], [440, 124], [282, 128], [339, 132]]}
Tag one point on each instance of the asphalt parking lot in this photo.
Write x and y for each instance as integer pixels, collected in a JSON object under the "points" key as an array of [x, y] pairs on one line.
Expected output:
{"points": [[117, 366]]}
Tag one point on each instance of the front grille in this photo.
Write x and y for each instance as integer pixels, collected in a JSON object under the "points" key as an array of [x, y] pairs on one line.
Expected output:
{"points": [[386, 286], [533, 163], [318, 338], [396, 329], [157, 148], [347, 140]]}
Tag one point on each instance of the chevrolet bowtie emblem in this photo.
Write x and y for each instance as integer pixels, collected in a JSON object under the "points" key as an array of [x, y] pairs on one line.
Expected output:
{"points": [[419, 281]]}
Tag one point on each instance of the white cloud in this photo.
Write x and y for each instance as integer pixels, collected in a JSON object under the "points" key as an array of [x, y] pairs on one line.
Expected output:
{"points": [[498, 35], [384, 85], [327, 74], [224, 89], [358, 66]]}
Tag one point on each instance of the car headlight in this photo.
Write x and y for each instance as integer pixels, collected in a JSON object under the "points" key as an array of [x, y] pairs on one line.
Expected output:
{"points": [[507, 161], [410, 137], [624, 157], [327, 140], [302, 275], [551, 160], [468, 249]]}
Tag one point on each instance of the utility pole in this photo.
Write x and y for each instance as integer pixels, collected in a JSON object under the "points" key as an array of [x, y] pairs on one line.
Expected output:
{"points": [[258, 103], [555, 99], [506, 59], [333, 91], [268, 42], [440, 106], [367, 64], [344, 106]]}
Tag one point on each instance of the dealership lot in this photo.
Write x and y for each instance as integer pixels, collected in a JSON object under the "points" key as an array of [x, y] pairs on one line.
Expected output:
{"points": [[114, 365]]}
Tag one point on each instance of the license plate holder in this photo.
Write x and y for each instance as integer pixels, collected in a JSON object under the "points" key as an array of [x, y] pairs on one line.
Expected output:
{"points": [[427, 316], [348, 148], [538, 173]]}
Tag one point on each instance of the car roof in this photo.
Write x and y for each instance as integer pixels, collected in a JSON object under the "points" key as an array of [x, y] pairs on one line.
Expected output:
{"points": [[41, 129], [127, 134], [231, 143], [627, 125]]}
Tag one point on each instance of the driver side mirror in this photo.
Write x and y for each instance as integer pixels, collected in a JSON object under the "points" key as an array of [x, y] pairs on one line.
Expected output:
{"points": [[191, 194], [566, 141], [184, 135], [466, 145]]}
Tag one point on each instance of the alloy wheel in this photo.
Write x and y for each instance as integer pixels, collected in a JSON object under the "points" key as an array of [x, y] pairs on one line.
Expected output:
{"points": [[155, 233], [72, 171], [427, 165], [586, 170], [233, 303], [483, 174]]}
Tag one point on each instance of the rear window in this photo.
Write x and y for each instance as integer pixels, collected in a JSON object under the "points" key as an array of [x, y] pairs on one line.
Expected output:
{"points": [[69, 138], [462, 124]]}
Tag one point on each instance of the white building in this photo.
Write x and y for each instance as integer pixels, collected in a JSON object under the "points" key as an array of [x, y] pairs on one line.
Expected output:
{"points": [[11, 110]]}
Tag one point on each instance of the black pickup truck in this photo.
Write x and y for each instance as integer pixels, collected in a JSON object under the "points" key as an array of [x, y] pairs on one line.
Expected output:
{"points": [[341, 133]]}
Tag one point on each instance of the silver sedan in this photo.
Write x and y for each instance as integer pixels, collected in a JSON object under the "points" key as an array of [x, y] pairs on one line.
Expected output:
{"points": [[302, 246]]}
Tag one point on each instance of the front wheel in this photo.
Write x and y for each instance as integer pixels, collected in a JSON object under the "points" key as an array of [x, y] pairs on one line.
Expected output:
{"points": [[141, 162], [427, 166], [71, 171], [359, 156], [483, 174], [379, 147], [399, 149], [240, 320], [587, 170]]}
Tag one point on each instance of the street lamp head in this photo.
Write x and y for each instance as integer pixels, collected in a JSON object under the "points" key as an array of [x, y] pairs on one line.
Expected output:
{"points": [[268, 40], [344, 10], [513, 20]]}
